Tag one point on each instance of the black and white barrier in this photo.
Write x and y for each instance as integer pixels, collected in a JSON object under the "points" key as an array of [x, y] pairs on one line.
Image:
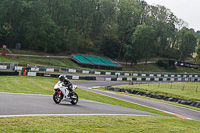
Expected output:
{"points": [[184, 79], [57, 75], [152, 95], [127, 74]]}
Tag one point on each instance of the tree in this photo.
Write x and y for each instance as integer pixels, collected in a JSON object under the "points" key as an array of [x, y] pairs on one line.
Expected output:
{"points": [[188, 42], [164, 22], [129, 16], [110, 46], [143, 41], [87, 25], [5, 31], [198, 55], [198, 47]]}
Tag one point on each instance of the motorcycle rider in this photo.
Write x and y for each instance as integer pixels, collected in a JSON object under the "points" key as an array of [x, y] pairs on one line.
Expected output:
{"points": [[66, 83]]}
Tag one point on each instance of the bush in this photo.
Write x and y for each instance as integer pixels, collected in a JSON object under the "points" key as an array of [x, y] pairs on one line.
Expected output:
{"points": [[163, 63]]}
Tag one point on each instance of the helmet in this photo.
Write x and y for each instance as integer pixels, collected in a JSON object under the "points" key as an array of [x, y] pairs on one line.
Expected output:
{"points": [[62, 78]]}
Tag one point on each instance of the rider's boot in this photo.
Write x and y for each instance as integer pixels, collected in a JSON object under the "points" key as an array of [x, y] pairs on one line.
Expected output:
{"points": [[71, 94]]}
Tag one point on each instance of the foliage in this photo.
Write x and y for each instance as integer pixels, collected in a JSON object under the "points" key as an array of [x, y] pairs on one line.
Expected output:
{"points": [[163, 64], [142, 43], [110, 46], [188, 43], [83, 26]]}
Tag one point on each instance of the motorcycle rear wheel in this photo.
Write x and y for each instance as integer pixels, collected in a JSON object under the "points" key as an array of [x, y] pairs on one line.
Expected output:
{"points": [[56, 98], [75, 99]]}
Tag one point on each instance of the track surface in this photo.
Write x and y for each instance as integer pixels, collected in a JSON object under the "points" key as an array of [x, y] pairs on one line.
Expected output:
{"points": [[28, 104]]}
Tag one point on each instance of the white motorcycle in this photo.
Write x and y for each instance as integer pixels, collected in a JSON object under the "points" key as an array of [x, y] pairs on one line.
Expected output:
{"points": [[62, 94]]}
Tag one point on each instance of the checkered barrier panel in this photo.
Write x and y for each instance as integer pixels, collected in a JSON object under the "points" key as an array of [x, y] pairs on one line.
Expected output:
{"points": [[179, 75], [133, 74], [153, 79], [57, 75]]}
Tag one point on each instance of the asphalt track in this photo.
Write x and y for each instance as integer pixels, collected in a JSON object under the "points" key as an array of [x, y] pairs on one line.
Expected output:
{"points": [[17, 104], [12, 104]]}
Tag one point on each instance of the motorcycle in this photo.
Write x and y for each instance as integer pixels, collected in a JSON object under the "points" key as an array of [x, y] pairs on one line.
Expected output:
{"points": [[63, 94]]}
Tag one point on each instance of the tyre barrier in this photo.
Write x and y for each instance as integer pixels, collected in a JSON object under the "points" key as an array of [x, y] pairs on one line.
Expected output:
{"points": [[152, 95], [9, 73]]}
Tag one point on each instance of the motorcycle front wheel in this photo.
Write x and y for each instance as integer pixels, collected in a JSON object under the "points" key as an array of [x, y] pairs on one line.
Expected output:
{"points": [[74, 99], [56, 98]]}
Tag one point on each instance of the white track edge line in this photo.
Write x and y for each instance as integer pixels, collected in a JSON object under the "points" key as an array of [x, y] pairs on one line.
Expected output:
{"points": [[2, 116]]}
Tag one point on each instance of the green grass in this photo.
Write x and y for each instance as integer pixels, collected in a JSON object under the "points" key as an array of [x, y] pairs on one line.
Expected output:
{"points": [[155, 68], [32, 85], [7, 59], [49, 61], [142, 67], [67, 63], [28, 52], [185, 91], [92, 124]]}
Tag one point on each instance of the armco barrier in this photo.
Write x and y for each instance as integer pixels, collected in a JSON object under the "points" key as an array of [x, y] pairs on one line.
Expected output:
{"points": [[88, 77], [134, 74], [9, 73], [68, 76], [3, 67], [152, 95], [153, 79]]}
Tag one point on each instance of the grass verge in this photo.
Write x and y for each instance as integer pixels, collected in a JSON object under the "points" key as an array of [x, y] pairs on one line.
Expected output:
{"points": [[83, 124], [187, 91], [41, 61]]}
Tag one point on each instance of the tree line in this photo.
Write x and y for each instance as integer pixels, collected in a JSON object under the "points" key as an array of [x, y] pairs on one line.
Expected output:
{"points": [[120, 29]]}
